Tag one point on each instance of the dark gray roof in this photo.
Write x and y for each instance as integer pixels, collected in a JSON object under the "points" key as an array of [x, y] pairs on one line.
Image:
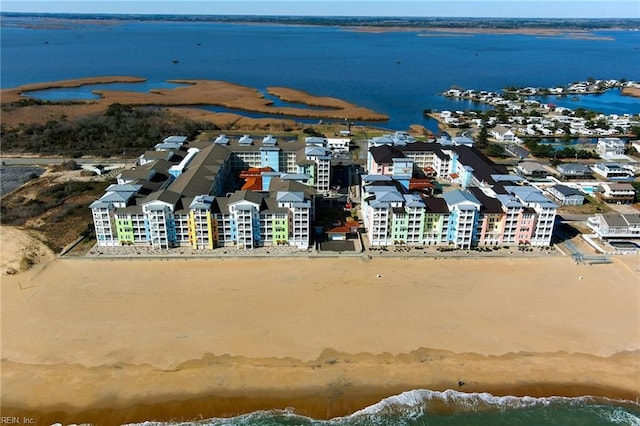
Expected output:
{"points": [[199, 176], [483, 166], [567, 191], [615, 219], [244, 195], [632, 219], [220, 205], [384, 154], [165, 195], [272, 206], [489, 204], [574, 168], [277, 184], [143, 172], [436, 205], [133, 209], [434, 147]]}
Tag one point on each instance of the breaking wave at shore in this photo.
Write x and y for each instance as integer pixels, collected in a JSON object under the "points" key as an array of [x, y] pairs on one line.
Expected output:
{"points": [[451, 408]]}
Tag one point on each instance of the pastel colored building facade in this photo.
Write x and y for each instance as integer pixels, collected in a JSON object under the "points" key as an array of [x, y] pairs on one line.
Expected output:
{"points": [[487, 206], [194, 199]]}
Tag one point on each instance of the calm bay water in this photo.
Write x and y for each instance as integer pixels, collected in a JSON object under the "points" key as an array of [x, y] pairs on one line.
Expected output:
{"points": [[396, 73]]}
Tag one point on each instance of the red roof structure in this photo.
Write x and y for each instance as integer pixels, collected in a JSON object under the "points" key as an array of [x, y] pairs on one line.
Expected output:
{"points": [[416, 183], [342, 229], [253, 178]]}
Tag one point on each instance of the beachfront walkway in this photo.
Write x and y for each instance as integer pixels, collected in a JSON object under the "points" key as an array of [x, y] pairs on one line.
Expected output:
{"points": [[286, 251]]}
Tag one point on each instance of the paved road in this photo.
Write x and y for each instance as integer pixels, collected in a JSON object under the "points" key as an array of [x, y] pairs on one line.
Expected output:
{"points": [[48, 161]]}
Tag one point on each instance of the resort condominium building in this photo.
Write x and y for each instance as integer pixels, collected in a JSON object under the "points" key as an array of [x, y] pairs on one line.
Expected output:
{"points": [[481, 205], [193, 196]]}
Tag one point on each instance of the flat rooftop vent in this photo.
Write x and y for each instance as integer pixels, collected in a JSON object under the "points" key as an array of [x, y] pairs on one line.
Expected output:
{"points": [[245, 140], [269, 141], [221, 140]]}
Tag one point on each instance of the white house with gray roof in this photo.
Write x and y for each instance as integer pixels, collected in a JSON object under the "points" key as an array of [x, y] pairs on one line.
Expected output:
{"points": [[574, 171], [613, 171], [566, 195], [610, 147], [615, 225]]}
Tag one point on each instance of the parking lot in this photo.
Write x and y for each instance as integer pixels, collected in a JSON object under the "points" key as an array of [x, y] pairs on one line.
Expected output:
{"points": [[13, 177], [338, 246]]}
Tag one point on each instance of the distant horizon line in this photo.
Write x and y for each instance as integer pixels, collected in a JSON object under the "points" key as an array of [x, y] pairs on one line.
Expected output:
{"points": [[326, 17]]}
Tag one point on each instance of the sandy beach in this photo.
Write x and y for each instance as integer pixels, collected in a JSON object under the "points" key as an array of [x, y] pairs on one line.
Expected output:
{"points": [[631, 91], [113, 341]]}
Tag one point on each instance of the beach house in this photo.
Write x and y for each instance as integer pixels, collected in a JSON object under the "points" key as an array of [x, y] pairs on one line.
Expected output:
{"points": [[574, 171], [615, 225], [503, 134], [617, 193], [566, 195], [613, 171], [531, 169], [608, 147]]}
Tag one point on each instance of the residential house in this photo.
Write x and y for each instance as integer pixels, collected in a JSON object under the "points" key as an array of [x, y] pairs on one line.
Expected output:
{"points": [[615, 225], [574, 171], [613, 171], [617, 193], [608, 147], [531, 169], [503, 134], [566, 195]]}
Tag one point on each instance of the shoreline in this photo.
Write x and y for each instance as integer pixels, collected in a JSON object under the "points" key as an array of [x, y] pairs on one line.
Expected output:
{"points": [[219, 337], [329, 387], [570, 33], [235, 97], [631, 91], [476, 25]]}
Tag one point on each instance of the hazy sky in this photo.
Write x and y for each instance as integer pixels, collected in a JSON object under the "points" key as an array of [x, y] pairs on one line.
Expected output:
{"points": [[453, 8]]}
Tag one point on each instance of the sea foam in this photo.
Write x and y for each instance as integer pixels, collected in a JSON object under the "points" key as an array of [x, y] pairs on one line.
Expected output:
{"points": [[419, 406]]}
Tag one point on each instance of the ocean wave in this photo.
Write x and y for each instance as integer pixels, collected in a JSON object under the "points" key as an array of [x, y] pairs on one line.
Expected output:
{"points": [[620, 416], [450, 407], [469, 401], [261, 418], [420, 403]]}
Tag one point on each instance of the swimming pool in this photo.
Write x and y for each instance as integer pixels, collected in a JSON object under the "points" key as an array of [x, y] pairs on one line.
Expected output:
{"points": [[627, 245]]}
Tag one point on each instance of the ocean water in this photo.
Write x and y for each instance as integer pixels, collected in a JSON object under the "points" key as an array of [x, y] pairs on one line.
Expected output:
{"points": [[396, 73], [453, 408]]}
